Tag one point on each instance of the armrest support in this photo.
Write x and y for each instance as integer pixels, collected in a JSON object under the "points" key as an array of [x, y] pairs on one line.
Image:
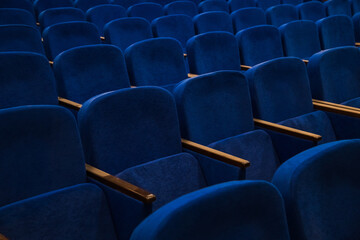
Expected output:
{"points": [[245, 67], [191, 75], [215, 154], [69, 104], [335, 105], [120, 185], [287, 130], [2, 237], [335, 109]]}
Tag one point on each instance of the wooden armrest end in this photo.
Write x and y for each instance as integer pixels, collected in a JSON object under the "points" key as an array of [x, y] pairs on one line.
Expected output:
{"points": [[191, 75], [333, 108], [245, 67], [69, 104]]}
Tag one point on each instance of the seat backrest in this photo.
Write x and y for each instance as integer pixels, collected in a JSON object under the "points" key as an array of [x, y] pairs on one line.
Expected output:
{"points": [[280, 14], [265, 4], [177, 26], [22, 4], [87, 4], [147, 10], [213, 5], [16, 16], [356, 24], [155, 62], [312, 10], [293, 2], [325, 175], [300, 39], [238, 4], [355, 6], [213, 51], [338, 7], [126, 31], [259, 44], [212, 21], [102, 14], [86, 71], [247, 17], [128, 127], [188, 8], [58, 15], [63, 36], [204, 214], [334, 74], [280, 89], [41, 5], [336, 31], [127, 3]]}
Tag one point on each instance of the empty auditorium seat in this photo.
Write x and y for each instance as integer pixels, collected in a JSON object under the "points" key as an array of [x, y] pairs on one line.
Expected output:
{"points": [[265, 4], [338, 7], [59, 15], [126, 31], [312, 10], [41, 5], [213, 5], [16, 16], [22, 4], [200, 212], [238, 4], [247, 17], [126, 3], [356, 24], [280, 14], [63, 36], [355, 6], [147, 10], [293, 2], [188, 8], [212, 21], [87, 4]]}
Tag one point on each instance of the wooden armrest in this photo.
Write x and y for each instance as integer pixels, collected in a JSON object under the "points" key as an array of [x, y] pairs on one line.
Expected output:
{"points": [[102, 38], [51, 63], [215, 154], [191, 75], [357, 44], [120, 185], [336, 105], [287, 130], [185, 54], [69, 104], [245, 67], [305, 61], [336, 109], [2, 237]]}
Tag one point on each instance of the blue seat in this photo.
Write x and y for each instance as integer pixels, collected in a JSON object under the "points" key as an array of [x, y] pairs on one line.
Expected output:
{"points": [[126, 3], [259, 44], [247, 201], [63, 36], [212, 21], [147, 10], [293, 2], [239, 4], [22, 4], [42, 5], [300, 39], [356, 24], [247, 17], [87, 4], [16, 16], [338, 7], [59, 15], [177, 26], [322, 176], [213, 5], [312, 10], [126, 31], [102, 14], [265, 4], [188, 8], [355, 6], [280, 14], [86, 71]]}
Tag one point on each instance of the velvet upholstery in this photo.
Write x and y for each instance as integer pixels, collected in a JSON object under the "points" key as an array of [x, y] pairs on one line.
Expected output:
{"points": [[188, 8], [16, 16], [238, 4], [42, 5], [336, 31], [259, 44], [265, 4], [313, 184], [213, 51], [293, 2], [22, 4], [20, 38], [338, 7], [87, 4], [126, 3], [355, 6], [213, 5], [356, 23], [212, 21], [102, 14], [155, 62], [177, 26], [147, 10], [63, 36], [247, 17], [222, 211], [58, 15], [84, 72], [300, 39], [280, 14], [126, 31], [312, 10]]}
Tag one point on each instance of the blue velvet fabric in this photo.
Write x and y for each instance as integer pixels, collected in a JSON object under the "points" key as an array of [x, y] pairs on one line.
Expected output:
{"points": [[356, 23], [293, 2], [213, 51], [126, 31], [313, 184], [213, 5], [238, 4], [128, 127], [223, 211], [355, 6], [155, 62], [338, 7], [42, 5], [31, 84], [300, 39], [213, 21], [16, 16], [102, 14], [336, 31], [312, 10], [334, 74], [126, 3], [177, 26], [168, 178], [259, 44], [87, 4], [280, 89], [265, 4], [22, 4], [147, 10], [58, 15], [84, 72], [19, 37], [77, 212], [247, 17], [188, 8], [280, 14], [63, 36]]}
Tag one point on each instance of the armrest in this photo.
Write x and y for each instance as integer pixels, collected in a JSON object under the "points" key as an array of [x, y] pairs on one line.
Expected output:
{"points": [[51, 63], [185, 55], [287, 130], [102, 38], [37, 24], [335, 109], [191, 75], [2, 237], [215, 154], [245, 67], [305, 61], [357, 44], [69, 104], [120, 185], [336, 105]]}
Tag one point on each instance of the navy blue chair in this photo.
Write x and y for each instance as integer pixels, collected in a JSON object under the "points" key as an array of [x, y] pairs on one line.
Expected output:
{"points": [[63, 36], [213, 5], [293, 2], [126, 31], [322, 176], [86, 71], [126, 3], [312, 10], [42, 5], [59, 15], [355, 6], [147, 10], [239, 4], [188, 8], [22, 4], [247, 17], [16, 16], [265, 4], [212, 21], [87, 4], [338, 7], [246, 201], [280, 14], [356, 23]]}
